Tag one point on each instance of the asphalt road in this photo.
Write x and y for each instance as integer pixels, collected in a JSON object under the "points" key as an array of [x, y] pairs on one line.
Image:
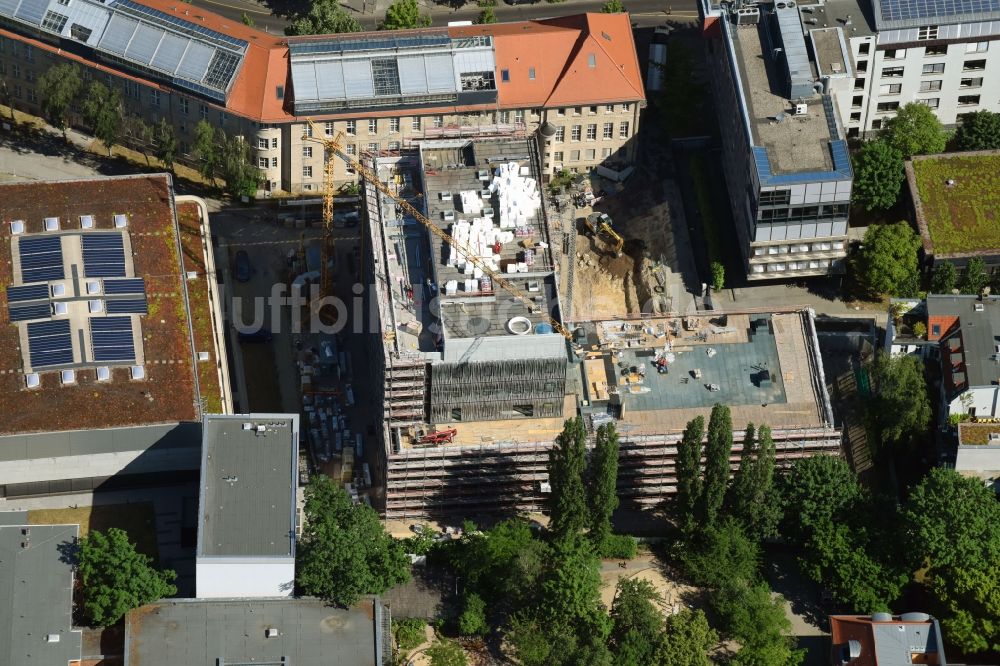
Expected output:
{"points": [[645, 13]]}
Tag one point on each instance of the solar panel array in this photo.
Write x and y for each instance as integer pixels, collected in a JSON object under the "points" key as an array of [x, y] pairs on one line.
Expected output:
{"points": [[111, 339], [906, 10], [103, 255], [50, 343], [29, 311], [126, 306], [28, 292], [126, 286], [41, 259]]}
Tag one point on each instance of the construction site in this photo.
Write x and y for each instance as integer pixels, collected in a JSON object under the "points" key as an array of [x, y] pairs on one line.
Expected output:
{"points": [[477, 368]]}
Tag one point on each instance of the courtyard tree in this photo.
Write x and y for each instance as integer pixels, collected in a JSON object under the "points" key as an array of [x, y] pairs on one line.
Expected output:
{"points": [[899, 409], [952, 534], [206, 149], [102, 110], [688, 469], [59, 88], [344, 551], [165, 143], [974, 277], [236, 166], [888, 260], [325, 17], [878, 175], [603, 485], [944, 279], [718, 276], [751, 496], [487, 16], [915, 130], [404, 15], [979, 130], [687, 640], [613, 7], [720, 444], [115, 578], [636, 622], [757, 621], [567, 461]]}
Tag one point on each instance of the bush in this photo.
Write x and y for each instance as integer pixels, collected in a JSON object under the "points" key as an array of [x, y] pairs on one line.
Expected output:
{"points": [[472, 621], [446, 653], [619, 547], [718, 276], [920, 330], [410, 632]]}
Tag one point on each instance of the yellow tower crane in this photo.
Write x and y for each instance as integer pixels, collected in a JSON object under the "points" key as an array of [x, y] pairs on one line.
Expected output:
{"points": [[316, 136], [333, 147]]}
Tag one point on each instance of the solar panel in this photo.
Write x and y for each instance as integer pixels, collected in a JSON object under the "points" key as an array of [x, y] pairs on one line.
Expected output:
{"points": [[904, 10], [127, 286], [50, 343], [31, 311], [126, 306], [221, 70], [41, 259], [103, 255], [28, 292], [111, 339]]}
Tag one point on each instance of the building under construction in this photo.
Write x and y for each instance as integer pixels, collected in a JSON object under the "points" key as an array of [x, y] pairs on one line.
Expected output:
{"points": [[476, 383]]}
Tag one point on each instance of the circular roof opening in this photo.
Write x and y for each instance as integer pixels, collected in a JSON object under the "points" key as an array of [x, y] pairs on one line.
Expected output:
{"points": [[519, 325], [477, 325]]}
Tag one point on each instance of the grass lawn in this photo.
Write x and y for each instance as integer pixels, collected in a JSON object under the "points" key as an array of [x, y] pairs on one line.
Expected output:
{"points": [[966, 215], [706, 206], [139, 520]]}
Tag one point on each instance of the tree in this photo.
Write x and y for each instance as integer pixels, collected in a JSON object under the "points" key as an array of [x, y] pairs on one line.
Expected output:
{"points": [[688, 467], [138, 133], [115, 578], [952, 534], [531, 643], [815, 490], [235, 166], [751, 496], [570, 598], [636, 622], [404, 15], [487, 16], [248, 20], [344, 552], [566, 466], [738, 497], [974, 278], [603, 485], [446, 653], [206, 149], [915, 130], [613, 7], [718, 276], [687, 640], [944, 279], [878, 175], [899, 408], [723, 555], [757, 621], [325, 17], [165, 143], [102, 110], [472, 621], [888, 259], [980, 130], [720, 444], [59, 87]]}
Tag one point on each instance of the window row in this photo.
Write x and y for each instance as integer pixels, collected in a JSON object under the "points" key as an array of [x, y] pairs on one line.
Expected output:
{"points": [[936, 50], [802, 213], [589, 154], [607, 132], [779, 267], [933, 68], [798, 248], [608, 108]]}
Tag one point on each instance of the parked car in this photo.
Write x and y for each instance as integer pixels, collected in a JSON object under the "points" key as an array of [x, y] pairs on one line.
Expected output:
{"points": [[242, 270], [260, 335]]}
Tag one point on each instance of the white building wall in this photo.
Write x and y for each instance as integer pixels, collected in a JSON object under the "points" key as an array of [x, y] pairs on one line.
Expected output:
{"points": [[228, 577], [983, 399]]}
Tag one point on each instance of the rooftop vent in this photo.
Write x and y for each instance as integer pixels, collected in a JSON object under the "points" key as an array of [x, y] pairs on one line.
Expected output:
{"points": [[52, 224], [52, 638], [192, 275], [58, 290], [104, 374], [978, 307], [121, 221], [95, 306], [60, 308], [271, 632], [138, 372], [67, 377], [882, 617], [93, 287], [914, 617], [801, 109], [16, 227], [247, 425], [31, 380], [203, 356], [86, 221]]}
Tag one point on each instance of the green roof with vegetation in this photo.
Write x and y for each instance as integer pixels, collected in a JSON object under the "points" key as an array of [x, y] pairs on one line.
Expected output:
{"points": [[963, 216]]}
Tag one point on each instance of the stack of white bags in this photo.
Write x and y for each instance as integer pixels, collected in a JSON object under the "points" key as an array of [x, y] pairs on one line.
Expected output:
{"points": [[518, 195]]}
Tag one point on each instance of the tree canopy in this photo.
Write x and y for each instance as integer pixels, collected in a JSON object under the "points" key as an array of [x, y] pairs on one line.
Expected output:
{"points": [[488, 15], [974, 277], [567, 461], [687, 640], [899, 408], [636, 622], [613, 7], [944, 279], [952, 533], [102, 110], [325, 17], [115, 578], [979, 130], [688, 468], [603, 485], [404, 15], [206, 149], [888, 260], [59, 87], [165, 143], [236, 165], [751, 496], [878, 175], [344, 551], [915, 130], [720, 444]]}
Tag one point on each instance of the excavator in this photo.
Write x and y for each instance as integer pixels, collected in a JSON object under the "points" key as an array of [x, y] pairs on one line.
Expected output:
{"points": [[600, 223]]}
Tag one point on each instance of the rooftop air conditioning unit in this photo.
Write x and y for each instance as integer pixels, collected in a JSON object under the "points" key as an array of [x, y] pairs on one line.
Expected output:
{"points": [[979, 307], [801, 109], [271, 632]]}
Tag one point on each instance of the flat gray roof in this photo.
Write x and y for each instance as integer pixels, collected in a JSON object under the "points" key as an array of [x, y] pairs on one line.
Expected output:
{"points": [[248, 483], [36, 595], [104, 440], [794, 143], [837, 13], [309, 633]]}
